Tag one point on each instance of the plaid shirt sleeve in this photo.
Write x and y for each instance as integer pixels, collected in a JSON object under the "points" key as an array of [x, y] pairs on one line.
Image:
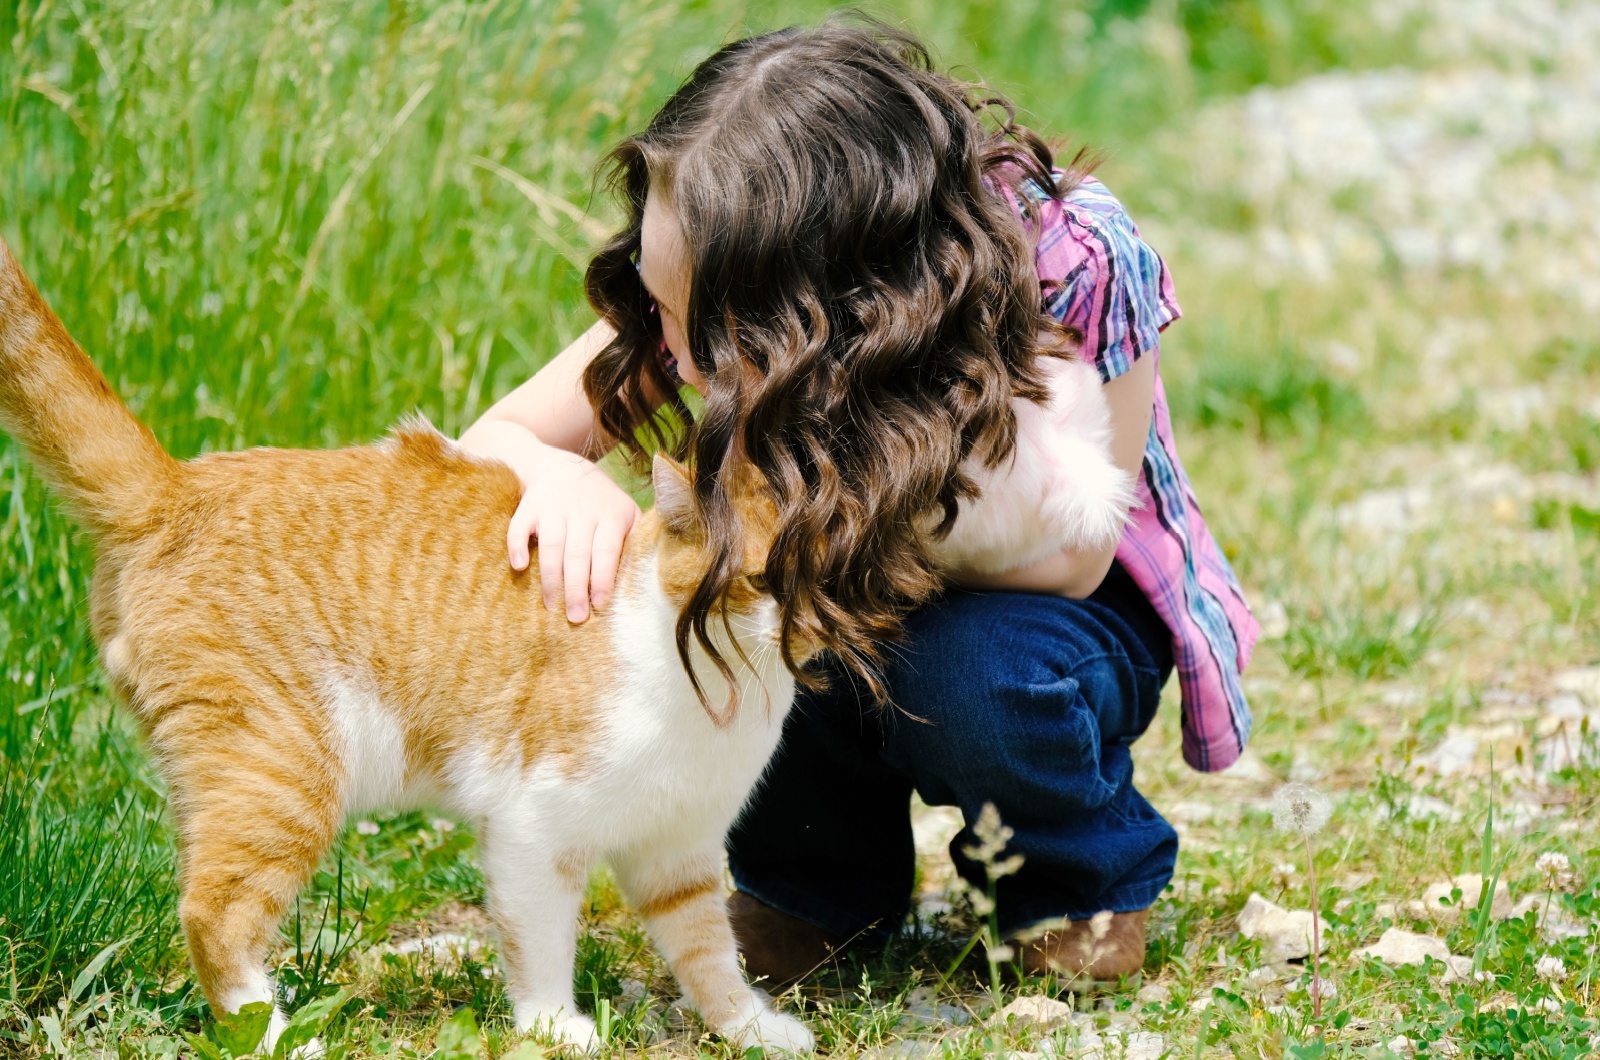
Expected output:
{"points": [[1101, 279]]}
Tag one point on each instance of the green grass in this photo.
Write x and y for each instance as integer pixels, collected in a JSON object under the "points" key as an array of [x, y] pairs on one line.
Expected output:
{"points": [[292, 223]]}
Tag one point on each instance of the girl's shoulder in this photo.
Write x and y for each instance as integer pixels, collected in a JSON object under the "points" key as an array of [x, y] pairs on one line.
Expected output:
{"points": [[1085, 193], [1088, 215], [1096, 273]]}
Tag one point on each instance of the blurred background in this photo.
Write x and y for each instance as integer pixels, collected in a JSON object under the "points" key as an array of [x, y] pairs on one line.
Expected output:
{"points": [[291, 223]]}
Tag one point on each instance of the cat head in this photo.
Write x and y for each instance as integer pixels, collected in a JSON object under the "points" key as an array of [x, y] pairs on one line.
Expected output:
{"points": [[743, 626]]}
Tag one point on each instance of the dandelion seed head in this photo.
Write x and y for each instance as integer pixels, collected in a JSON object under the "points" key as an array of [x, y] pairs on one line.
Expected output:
{"points": [[1300, 810]]}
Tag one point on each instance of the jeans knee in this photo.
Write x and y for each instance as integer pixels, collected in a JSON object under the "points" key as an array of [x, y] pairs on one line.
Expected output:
{"points": [[969, 650], [1016, 693]]}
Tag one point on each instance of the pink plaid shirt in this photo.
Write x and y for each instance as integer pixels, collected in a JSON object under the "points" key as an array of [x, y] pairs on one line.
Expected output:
{"points": [[1102, 280]]}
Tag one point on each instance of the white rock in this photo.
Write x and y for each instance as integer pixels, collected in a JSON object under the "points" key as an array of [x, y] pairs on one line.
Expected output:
{"points": [[1399, 947], [1044, 1013], [1135, 1045], [923, 1008], [1457, 969], [1140, 1045], [907, 1049], [1399, 1045], [1249, 766], [1404, 697], [1263, 977], [1455, 754], [1554, 921], [1284, 934], [1273, 618], [1583, 683], [1567, 750], [1192, 811], [1306, 767], [932, 828], [1565, 707], [1471, 886], [1155, 994], [1421, 807], [446, 946], [1395, 510]]}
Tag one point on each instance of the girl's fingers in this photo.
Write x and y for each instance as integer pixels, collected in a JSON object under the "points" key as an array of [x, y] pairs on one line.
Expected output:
{"points": [[518, 534], [552, 534], [608, 538], [580, 545]]}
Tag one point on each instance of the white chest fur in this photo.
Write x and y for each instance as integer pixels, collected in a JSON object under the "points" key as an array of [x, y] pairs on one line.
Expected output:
{"points": [[655, 770]]}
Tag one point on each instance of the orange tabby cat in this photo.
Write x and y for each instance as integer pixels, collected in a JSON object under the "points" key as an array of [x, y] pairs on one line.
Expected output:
{"points": [[305, 635]]}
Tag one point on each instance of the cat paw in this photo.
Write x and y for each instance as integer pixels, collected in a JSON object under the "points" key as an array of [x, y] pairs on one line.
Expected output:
{"points": [[577, 1032], [561, 1027], [773, 1031], [312, 1050]]}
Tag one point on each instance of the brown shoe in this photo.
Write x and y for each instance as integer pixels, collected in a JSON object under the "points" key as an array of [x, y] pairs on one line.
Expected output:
{"points": [[1102, 948], [779, 950]]}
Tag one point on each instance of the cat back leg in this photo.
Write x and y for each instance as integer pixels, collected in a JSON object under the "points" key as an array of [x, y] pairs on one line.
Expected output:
{"points": [[685, 909], [255, 815]]}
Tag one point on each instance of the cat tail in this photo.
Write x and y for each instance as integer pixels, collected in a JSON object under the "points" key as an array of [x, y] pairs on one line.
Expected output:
{"points": [[105, 464]]}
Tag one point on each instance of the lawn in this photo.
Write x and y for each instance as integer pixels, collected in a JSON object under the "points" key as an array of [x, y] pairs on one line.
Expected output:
{"points": [[291, 223]]}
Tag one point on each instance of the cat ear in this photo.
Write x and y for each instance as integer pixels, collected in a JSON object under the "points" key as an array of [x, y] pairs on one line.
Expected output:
{"points": [[674, 493]]}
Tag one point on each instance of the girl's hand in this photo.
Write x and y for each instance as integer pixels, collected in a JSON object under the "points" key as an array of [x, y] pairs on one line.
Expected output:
{"points": [[579, 516]]}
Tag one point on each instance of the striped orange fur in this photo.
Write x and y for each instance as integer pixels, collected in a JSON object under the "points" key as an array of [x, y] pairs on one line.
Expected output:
{"points": [[304, 635]]}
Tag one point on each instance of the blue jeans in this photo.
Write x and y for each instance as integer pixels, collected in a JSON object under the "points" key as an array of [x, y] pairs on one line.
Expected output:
{"points": [[1030, 702]]}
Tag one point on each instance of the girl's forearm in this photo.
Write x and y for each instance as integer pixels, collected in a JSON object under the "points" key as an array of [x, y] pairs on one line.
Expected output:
{"points": [[551, 407], [1072, 573], [509, 442]]}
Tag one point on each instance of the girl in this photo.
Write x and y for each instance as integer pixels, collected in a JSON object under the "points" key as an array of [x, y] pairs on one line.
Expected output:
{"points": [[857, 269]]}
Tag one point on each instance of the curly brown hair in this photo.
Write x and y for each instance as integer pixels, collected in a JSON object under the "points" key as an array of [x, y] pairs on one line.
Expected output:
{"points": [[862, 304]]}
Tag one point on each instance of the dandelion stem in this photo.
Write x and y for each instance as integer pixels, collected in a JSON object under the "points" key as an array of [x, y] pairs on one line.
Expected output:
{"points": [[1316, 935]]}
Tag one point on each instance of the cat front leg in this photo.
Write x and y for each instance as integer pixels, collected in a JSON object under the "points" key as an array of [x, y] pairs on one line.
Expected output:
{"points": [[685, 910], [535, 889]]}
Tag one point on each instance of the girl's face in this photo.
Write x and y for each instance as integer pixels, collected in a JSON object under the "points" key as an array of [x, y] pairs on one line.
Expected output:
{"points": [[664, 268]]}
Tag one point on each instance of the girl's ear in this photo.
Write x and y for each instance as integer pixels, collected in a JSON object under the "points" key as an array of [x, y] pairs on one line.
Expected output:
{"points": [[674, 493]]}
